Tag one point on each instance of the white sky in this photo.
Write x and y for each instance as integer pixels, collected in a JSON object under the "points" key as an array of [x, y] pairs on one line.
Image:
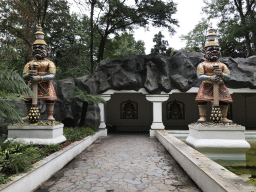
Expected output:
{"points": [[189, 13]]}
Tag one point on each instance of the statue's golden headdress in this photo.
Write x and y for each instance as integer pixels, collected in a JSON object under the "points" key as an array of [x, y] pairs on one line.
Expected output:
{"points": [[39, 36], [211, 38]]}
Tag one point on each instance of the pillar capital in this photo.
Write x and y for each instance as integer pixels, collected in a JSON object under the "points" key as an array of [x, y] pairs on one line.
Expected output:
{"points": [[157, 97], [106, 97]]}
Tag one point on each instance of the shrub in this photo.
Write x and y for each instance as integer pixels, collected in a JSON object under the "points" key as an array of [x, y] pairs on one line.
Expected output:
{"points": [[3, 178], [77, 133], [34, 153], [20, 162], [48, 149]]}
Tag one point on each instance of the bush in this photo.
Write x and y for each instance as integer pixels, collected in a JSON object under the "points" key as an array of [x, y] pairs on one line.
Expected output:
{"points": [[48, 149], [34, 153], [3, 178], [20, 162], [77, 133]]}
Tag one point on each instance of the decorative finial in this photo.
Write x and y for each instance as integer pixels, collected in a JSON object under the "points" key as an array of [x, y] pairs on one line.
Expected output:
{"points": [[211, 38], [39, 35]]}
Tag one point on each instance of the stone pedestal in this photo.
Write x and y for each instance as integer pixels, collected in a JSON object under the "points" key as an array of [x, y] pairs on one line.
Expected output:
{"points": [[40, 135], [219, 141]]}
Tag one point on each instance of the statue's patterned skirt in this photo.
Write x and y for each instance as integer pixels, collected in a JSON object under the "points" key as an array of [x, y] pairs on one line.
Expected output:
{"points": [[205, 93], [45, 91]]}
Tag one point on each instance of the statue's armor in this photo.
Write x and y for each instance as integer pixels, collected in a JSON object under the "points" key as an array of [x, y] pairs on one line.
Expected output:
{"points": [[205, 92], [46, 68]]}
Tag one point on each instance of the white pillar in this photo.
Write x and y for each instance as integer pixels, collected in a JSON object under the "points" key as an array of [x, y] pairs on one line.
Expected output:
{"points": [[102, 111], [157, 111]]}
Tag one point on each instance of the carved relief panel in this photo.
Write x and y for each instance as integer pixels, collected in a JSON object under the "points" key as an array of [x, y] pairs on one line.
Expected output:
{"points": [[175, 110], [129, 110]]}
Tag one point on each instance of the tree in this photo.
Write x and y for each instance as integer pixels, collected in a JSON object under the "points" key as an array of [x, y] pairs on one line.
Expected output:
{"points": [[242, 11], [124, 45], [196, 39], [232, 44], [66, 34], [161, 45], [117, 15]]}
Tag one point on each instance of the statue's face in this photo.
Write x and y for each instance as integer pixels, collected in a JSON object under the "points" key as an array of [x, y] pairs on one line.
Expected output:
{"points": [[39, 51], [212, 53]]}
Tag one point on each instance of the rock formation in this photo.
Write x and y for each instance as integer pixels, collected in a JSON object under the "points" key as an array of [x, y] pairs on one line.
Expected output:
{"points": [[155, 73]]}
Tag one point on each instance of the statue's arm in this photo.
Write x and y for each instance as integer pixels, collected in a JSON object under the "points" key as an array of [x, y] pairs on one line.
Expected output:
{"points": [[47, 77], [203, 77], [226, 77], [200, 73], [51, 74], [226, 73]]}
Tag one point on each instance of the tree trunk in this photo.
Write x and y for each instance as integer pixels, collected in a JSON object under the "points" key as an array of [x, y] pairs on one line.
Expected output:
{"points": [[239, 6], [91, 28], [101, 48]]}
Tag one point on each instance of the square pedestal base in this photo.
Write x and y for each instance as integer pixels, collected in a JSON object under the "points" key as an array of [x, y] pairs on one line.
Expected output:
{"points": [[218, 141], [40, 135]]}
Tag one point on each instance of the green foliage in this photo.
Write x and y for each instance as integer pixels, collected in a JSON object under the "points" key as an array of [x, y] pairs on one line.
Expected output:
{"points": [[78, 93], [34, 153], [117, 15], [3, 178], [20, 163], [161, 46], [48, 149], [231, 41], [66, 34], [77, 133], [236, 23], [196, 39], [123, 46], [11, 87]]}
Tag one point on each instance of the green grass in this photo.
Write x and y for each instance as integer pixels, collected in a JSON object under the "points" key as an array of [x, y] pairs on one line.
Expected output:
{"points": [[18, 157]]}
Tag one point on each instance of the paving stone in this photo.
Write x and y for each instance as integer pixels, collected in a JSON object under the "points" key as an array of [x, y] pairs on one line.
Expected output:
{"points": [[118, 176], [122, 163]]}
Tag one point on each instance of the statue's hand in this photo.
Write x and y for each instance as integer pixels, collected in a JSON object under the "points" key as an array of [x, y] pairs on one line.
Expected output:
{"points": [[32, 73], [35, 78], [218, 72], [215, 78]]}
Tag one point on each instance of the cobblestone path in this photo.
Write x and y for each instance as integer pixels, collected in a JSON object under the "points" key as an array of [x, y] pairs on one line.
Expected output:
{"points": [[120, 163]]}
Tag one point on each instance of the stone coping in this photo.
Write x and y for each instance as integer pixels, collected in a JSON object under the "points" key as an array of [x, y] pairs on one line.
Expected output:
{"points": [[45, 127], [45, 168], [207, 174]]}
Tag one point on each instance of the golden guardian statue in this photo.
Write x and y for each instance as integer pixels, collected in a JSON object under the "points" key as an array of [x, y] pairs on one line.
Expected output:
{"points": [[40, 71], [212, 73]]}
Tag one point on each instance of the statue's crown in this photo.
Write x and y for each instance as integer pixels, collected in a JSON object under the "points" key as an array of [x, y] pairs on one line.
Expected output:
{"points": [[211, 38], [39, 36]]}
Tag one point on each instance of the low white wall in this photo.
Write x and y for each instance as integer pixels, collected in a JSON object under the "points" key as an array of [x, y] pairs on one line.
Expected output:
{"points": [[45, 168], [208, 175]]}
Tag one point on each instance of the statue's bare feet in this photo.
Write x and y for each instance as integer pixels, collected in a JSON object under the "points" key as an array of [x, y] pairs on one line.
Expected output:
{"points": [[226, 120], [51, 119], [201, 119]]}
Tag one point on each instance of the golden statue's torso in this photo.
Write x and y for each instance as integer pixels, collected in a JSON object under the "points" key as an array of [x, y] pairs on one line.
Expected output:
{"points": [[44, 67]]}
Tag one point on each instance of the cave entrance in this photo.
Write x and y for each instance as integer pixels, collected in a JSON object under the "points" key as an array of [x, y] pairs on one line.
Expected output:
{"points": [[128, 112]]}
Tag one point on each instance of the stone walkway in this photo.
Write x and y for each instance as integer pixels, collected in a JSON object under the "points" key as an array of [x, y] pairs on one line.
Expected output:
{"points": [[119, 163]]}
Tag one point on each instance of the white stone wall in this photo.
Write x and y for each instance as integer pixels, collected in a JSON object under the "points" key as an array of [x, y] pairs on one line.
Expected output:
{"points": [[244, 111]]}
